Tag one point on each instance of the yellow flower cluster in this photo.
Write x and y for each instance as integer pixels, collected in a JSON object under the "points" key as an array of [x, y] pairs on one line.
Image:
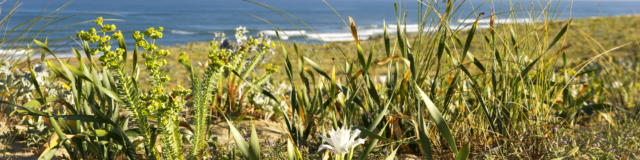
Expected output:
{"points": [[111, 59]]}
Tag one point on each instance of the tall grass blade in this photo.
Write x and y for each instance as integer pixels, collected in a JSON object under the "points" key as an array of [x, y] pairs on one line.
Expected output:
{"points": [[463, 153], [436, 116], [241, 144], [560, 34]]}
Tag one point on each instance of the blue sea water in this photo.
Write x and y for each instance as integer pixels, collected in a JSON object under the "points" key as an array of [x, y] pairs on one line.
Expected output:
{"points": [[196, 20]]}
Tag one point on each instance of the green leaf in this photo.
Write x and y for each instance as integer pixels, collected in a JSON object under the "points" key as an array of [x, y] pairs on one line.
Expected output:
{"points": [[366, 151], [559, 35], [32, 103], [250, 69], [368, 133], [463, 153], [476, 62], [387, 44], [392, 156], [110, 93], [254, 144], [86, 118], [28, 110], [373, 92], [242, 145], [467, 44], [316, 67], [450, 91], [100, 132], [42, 45], [425, 143], [291, 150], [49, 152], [134, 62], [436, 116], [35, 83]]}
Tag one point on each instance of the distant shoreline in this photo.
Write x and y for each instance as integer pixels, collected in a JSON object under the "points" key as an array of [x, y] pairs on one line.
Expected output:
{"points": [[364, 34]]}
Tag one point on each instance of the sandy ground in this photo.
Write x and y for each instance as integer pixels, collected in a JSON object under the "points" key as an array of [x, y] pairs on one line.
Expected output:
{"points": [[14, 149], [10, 148], [267, 130]]}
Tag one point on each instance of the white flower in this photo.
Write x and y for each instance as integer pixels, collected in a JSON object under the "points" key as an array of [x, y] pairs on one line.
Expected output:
{"points": [[219, 38], [382, 79], [284, 108], [526, 59], [283, 87], [574, 92], [341, 141], [617, 84], [272, 107], [240, 35], [259, 100]]}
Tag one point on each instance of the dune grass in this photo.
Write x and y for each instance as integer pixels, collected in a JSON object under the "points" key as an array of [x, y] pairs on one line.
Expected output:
{"points": [[587, 37]]}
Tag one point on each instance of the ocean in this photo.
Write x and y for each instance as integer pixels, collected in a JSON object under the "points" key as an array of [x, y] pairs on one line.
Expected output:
{"points": [[305, 21]]}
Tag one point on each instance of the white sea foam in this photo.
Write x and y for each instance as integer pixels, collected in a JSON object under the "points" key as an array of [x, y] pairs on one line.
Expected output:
{"points": [[17, 54], [410, 28], [367, 33], [181, 32], [363, 34], [14, 52], [334, 37], [499, 21], [468, 27], [284, 34]]}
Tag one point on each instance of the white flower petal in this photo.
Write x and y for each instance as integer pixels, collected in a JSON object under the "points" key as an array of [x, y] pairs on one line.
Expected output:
{"points": [[324, 138], [355, 134], [342, 140], [324, 146], [359, 142]]}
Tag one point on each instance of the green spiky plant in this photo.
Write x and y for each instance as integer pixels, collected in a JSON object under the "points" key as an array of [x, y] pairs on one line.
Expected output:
{"points": [[434, 82], [107, 98], [15, 77]]}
